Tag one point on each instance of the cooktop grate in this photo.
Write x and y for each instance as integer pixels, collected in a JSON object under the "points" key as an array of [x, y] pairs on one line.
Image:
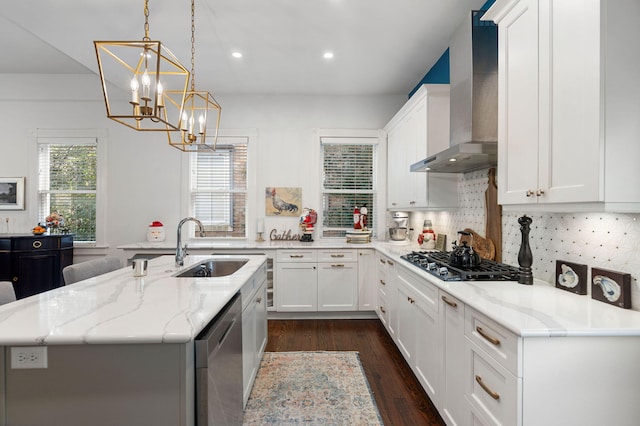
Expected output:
{"points": [[488, 270]]}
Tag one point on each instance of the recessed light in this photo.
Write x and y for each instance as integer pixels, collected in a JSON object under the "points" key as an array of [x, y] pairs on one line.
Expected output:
{"points": [[236, 55], [328, 55], [452, 159]]}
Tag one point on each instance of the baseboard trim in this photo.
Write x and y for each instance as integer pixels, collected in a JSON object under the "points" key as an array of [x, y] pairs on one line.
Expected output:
{"points": [[322, 315]]}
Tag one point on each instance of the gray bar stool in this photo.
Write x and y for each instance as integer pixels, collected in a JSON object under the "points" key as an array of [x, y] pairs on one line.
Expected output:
{"points": [[91, 268]]}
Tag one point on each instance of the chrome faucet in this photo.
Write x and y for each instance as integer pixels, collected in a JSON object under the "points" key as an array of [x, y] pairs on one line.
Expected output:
{"points": [[181, 252]]}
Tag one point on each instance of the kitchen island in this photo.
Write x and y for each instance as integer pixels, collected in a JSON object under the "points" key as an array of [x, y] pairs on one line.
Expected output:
{"points": [[113, 349]]}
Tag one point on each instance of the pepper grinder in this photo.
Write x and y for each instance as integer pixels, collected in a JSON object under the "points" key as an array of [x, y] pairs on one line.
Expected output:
{"points": [[525, 258]]}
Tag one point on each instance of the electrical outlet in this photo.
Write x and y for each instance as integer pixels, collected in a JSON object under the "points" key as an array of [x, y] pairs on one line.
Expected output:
{"points": [[29, 357]]}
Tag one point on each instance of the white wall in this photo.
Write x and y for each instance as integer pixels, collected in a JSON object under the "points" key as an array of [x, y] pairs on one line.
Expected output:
{"points": [[144, 172]]}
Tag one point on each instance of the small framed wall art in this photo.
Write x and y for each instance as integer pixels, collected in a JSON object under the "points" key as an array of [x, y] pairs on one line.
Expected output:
{"points": [[571, 277], [611, 287], [12, 193], [282, 201]]}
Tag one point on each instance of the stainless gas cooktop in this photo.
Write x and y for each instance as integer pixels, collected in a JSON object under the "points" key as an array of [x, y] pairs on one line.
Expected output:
{"points": [[437, 263]]}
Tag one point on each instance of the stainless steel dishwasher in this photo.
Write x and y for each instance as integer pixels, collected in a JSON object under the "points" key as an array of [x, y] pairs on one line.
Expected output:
{"points": [[218, 351]]}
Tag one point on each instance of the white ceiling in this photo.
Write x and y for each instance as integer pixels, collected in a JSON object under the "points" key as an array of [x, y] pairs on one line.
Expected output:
{"points": [[380, 46]]}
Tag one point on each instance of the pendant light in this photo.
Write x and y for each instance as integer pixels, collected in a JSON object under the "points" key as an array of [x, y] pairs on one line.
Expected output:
{"points": [[135, 77], [201, 112]]}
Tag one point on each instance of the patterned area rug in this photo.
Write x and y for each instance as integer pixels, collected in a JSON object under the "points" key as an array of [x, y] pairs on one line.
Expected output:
{"points": [[311, 388]]}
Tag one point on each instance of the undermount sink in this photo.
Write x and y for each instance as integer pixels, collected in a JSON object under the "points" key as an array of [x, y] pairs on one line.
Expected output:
{"points": [[213, 268]]}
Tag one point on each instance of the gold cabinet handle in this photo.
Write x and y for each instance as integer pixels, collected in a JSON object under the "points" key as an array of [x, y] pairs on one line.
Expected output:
{"points": [[382, 282], [382, 310], [296, 256], [529, 193], [539, 192], [337, 255], [487, 337], [337, 265], [449, 302], [486, 388]]}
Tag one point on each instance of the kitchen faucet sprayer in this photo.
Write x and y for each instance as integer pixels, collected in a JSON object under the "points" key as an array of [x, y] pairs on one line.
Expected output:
{"points": [[181, 252]]}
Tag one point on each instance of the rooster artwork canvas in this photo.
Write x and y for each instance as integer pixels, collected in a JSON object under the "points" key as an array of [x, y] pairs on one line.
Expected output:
{"points": [[283, 201]]}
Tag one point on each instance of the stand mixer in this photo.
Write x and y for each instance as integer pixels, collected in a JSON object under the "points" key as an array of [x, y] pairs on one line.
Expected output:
{"points": [[398, 232]]}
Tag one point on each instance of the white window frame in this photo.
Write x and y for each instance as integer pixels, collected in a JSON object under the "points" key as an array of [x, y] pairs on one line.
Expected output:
{"points": [[354, 136], [66, 136], [250, 135]]}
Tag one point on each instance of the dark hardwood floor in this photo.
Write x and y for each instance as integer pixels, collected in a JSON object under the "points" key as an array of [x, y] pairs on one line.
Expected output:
{"points": [[398, 394]]}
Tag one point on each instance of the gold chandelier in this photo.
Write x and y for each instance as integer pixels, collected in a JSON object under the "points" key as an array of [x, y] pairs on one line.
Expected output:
{"points": [[201, 111], [148, 70]]}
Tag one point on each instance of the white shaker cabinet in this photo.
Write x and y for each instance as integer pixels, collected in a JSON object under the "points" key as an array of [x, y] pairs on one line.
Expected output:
{"points": [[337, 280], [367, 290], [492, 383], [387, 293], [312, 280], [452, 404], [417, 333], [568, 101], [254, 330], [419, 129], [296, 281]]}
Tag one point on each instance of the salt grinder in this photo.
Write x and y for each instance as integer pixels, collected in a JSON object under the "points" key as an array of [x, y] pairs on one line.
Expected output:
{"points": [[525, 258]]}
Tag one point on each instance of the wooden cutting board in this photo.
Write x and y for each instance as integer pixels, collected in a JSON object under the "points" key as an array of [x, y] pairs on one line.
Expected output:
{"points": [[493, 215], [483, 246]]}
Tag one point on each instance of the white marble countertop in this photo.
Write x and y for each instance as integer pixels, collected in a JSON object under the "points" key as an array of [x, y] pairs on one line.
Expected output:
{"points": [[119, 308], [537, 310], [532, 310]]}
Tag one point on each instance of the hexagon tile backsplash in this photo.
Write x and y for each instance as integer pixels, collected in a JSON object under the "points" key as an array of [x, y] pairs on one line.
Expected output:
{"points": [[599, 240]]}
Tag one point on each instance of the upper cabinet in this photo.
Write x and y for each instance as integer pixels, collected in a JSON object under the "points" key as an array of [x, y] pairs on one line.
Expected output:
{"points": [[569, 102], [419, 129]]}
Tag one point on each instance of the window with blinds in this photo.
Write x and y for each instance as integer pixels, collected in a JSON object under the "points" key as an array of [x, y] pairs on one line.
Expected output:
{"points": [[347, 181], [67, 185], [219, 188]]}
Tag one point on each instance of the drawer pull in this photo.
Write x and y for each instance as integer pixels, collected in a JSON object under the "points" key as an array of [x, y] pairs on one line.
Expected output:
{"points": [[382, 282], [337, 265], [37, 244], [449, 302], [410, 300], [259, 300], [383, 310], [390, 262], [490, 339], [337, 255], [486, 388], [296, 256], [382, 261]]}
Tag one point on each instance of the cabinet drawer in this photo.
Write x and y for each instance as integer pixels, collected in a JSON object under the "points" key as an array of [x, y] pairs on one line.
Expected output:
{"points": [[35, 243], [382, 284], [382, 308], [425, 291], [337, 255], [495, 340], [492, 391], [297, 256]]}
